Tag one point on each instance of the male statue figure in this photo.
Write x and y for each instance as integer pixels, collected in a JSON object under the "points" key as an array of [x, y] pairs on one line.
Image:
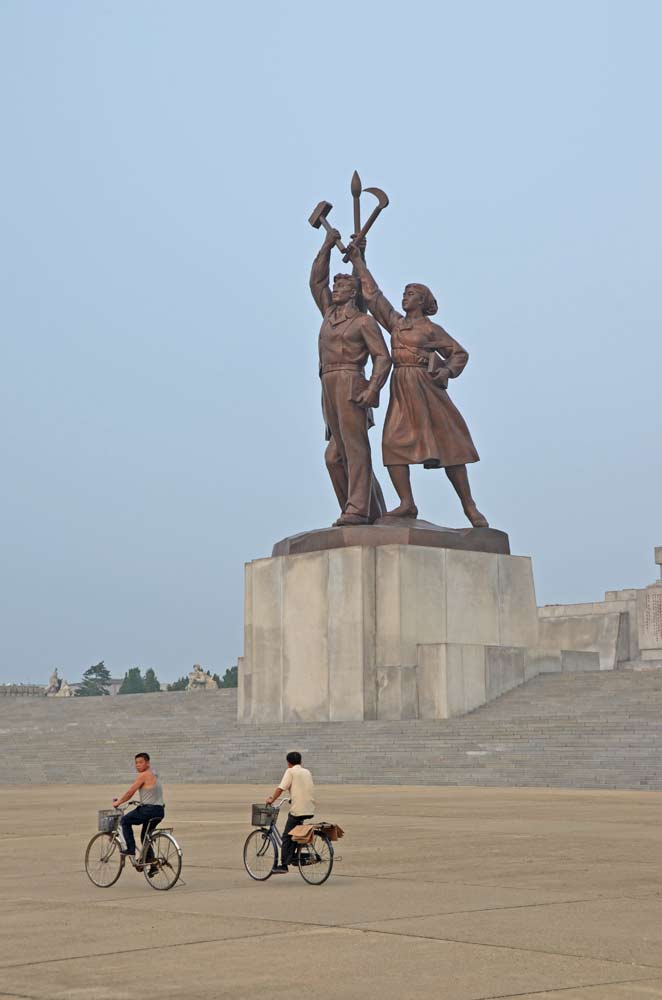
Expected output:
{"points": [[347, 338]]}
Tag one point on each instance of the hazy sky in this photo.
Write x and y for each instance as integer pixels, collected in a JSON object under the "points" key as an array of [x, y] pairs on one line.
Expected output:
{"points": [[160, 403]]}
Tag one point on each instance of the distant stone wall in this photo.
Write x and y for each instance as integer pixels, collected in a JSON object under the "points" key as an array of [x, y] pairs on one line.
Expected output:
{"points": [[18, 690], [579, 626], [605, 634], [625, 627]]}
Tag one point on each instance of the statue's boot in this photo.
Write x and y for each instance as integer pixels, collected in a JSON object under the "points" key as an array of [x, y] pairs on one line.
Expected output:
{"points": [[350, 519], [403, 510], [477, 519]]}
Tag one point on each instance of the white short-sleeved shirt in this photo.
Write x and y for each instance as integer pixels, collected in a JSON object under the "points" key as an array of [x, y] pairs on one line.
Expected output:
{"points": [[299, 782]]}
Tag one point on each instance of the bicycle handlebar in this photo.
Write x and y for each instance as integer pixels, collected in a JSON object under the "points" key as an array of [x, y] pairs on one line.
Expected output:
{"points": [[124, 806]]}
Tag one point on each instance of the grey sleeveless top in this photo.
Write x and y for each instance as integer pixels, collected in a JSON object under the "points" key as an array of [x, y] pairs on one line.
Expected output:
{"points": [[152, 796]]}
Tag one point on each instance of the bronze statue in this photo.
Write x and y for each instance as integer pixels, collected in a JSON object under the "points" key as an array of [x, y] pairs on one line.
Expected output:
{"points": [[348, 337], [422, 426]]}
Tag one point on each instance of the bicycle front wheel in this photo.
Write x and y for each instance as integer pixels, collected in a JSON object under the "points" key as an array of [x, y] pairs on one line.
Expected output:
{"points": [[165, 867], [316, 859], [259, 855], [103, 860]]}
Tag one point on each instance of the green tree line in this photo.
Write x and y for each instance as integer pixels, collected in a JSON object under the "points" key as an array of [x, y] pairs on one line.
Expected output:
{"points": [[135, 683], [96, 681]]}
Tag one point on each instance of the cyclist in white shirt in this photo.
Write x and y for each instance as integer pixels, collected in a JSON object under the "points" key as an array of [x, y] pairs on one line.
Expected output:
{"points": [[298, 782]]}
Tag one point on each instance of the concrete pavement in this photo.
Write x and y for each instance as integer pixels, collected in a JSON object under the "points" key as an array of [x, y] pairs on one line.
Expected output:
{"points": [[458, 893]]}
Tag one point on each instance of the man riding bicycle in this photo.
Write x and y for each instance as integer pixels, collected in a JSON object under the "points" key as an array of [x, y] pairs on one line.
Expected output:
{"points": [[298, 781], [151, 810]]}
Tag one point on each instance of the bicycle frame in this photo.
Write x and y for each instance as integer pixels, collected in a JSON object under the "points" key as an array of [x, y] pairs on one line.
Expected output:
{"points": [[118, 837], [273, 833]]}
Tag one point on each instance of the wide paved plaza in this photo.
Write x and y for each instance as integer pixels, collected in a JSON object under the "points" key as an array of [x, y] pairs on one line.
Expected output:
{"points": [[451, 893]]}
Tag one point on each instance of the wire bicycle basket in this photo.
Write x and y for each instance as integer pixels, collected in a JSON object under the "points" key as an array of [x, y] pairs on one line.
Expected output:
{"points": [[262, 815], [109, 820]]}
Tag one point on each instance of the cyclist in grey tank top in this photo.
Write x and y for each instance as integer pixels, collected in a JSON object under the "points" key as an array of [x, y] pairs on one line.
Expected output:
{"points": [[151, 810], [152, 796]]}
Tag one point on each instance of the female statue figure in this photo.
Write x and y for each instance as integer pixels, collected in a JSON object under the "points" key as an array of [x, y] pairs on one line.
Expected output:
{"points": [[422, 426]]}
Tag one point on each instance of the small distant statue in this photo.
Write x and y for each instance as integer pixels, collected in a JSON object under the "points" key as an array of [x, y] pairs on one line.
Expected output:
{"points": [[65, 690], [54, 684], [198, 680]]}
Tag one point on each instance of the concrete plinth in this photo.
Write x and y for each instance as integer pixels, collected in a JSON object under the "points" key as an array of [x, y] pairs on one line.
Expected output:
{"points": [[385, 632]]}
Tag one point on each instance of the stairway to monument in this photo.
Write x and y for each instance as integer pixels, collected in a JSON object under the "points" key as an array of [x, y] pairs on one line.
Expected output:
{"points": [[585, 730]]}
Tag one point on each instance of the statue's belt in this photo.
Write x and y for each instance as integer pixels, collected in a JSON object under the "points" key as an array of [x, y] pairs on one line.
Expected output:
{"points": [[343, 366]]}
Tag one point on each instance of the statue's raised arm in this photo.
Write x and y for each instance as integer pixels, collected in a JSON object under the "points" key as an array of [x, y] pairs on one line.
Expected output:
{"points": [[319, 272], [374, 298]]}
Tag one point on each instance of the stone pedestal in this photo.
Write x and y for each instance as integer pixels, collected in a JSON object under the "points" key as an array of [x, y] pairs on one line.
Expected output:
{"points": [[395, 531], [386, 631]]}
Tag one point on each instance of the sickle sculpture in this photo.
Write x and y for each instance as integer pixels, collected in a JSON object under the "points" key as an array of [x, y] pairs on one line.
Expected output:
{"points": [[382, 202]]}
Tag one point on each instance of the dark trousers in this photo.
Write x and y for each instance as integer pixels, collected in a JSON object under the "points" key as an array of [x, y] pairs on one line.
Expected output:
{"points": [[287, 850], [147, 816]]}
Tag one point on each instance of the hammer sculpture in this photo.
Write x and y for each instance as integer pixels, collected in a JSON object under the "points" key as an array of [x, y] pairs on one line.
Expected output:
{"points": [[319, 218], [319, 215]]}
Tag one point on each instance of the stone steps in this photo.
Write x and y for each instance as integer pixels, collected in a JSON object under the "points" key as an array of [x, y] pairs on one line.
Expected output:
{"points": [[641, 665], [588, 730]]}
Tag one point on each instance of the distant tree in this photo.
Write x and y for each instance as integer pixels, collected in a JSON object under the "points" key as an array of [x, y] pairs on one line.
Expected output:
{"points": [[95, 681], [217, 679], [133, 682], [151, 681], [230, 679], [179, 685]]}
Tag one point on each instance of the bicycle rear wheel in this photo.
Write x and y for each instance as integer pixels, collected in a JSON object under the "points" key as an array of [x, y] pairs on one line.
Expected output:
{"points": [[103, 860], [259, 855], [164, 869], [316, 859]]}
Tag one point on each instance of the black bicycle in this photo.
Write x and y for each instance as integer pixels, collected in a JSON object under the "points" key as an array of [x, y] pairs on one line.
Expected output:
{"points": [[261, 849]]}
